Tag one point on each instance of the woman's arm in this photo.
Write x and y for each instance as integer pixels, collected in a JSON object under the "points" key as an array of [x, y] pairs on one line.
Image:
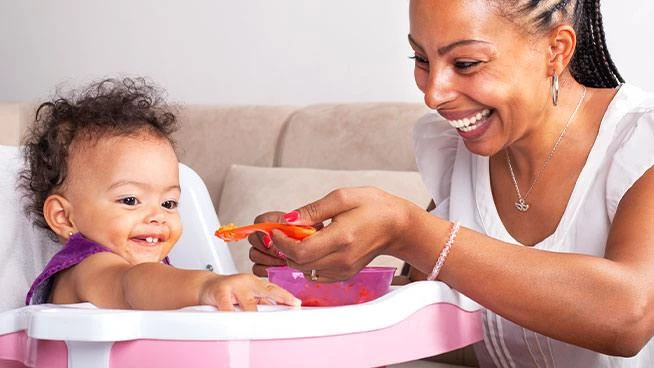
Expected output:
{"points": [[603, 304]]}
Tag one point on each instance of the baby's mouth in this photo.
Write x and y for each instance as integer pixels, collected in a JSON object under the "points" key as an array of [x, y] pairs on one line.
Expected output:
{"points": [[470, 123], [148, 240]]}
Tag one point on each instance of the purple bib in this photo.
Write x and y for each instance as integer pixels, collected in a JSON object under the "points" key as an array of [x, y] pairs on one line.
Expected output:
{"points": [[76, 249]]}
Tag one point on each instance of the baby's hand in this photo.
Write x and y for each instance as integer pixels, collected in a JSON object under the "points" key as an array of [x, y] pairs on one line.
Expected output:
{"points": [[246, 290]]}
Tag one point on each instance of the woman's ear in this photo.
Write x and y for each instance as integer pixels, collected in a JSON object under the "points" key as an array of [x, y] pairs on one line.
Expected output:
{"points": [[57, 213], [562, 44]]}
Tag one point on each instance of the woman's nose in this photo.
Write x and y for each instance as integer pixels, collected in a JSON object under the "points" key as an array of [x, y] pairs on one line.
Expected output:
{"points": [[439, 89]]}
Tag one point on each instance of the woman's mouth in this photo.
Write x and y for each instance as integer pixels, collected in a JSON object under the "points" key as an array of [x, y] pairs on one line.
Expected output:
{"points": [[470, 123]]}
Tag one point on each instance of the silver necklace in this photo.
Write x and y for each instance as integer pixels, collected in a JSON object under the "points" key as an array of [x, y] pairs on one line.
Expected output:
{"points": [[521, 204]]}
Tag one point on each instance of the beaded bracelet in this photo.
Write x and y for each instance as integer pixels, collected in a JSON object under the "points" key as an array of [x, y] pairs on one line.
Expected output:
{"points": [[446, 249]]}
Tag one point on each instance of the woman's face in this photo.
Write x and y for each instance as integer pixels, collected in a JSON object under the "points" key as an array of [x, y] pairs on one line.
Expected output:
{"points": [[482, 73]]}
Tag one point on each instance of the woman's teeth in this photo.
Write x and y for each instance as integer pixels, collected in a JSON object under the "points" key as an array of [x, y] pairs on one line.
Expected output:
{"points": [[152, 240], [468, 124]]}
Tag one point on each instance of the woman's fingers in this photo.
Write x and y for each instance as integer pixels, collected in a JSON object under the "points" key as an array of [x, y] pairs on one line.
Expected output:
{"points": [[329, 269], [262, 250], [263, 260], [309, 249], [336, 207], [365, 222], [260, 270], [330, 206], [336, 248]]}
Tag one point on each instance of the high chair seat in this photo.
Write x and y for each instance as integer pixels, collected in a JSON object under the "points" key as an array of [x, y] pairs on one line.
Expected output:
{"points": [[24, 249]]}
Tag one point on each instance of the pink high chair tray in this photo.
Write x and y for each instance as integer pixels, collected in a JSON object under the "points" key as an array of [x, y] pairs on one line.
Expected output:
{"points": [[433, 317]]}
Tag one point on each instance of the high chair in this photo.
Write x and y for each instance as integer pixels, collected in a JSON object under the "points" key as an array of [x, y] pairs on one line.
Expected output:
{"points": [[410, 322]]}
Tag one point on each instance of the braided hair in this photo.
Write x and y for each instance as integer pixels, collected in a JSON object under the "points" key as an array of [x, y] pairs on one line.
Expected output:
{"points": [[591, 64]]}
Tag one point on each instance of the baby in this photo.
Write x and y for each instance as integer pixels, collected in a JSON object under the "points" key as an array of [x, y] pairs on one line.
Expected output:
{"points": [[102, 178]]}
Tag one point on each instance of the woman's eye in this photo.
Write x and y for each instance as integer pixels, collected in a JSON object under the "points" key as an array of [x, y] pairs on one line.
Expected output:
{"points": [[170, 205], [130, 201], [419, 59], [465, 65]]}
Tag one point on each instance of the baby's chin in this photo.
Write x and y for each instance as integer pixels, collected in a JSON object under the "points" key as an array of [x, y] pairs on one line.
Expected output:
{"points": [[144, 256]]}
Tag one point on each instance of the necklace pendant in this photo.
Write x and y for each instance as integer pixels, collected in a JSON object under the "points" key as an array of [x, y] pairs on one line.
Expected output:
{"points": [[521, 205]]}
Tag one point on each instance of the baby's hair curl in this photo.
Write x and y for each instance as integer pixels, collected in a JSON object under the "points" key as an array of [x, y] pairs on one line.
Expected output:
{"points": [[109, 108]]}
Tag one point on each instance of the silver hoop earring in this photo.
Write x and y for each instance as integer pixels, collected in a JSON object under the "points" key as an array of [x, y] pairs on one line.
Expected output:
{"points": [[555, 89]]}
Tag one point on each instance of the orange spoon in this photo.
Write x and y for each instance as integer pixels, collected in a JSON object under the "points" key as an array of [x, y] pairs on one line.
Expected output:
{"points": [[230, 232]]}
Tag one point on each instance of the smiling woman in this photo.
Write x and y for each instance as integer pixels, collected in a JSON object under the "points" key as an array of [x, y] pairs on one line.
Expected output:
{"points": [[543, 155]]}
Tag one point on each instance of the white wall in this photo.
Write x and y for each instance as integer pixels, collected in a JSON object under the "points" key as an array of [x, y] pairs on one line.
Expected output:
{"points": [[246, 51], [629, 30]]}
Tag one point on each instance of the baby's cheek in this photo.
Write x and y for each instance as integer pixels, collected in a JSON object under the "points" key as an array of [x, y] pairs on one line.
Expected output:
{"points": [[176, 232]]}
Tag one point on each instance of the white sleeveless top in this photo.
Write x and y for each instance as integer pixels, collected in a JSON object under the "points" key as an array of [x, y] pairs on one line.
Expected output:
{"points": [[459, 182]]}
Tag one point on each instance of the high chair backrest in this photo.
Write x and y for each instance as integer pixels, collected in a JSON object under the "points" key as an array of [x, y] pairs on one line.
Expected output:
{"points": [[198, 248], [25, 249]]}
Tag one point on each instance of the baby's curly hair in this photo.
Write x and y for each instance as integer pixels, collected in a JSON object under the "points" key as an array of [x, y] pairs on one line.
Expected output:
{"points": [[109, 108]]}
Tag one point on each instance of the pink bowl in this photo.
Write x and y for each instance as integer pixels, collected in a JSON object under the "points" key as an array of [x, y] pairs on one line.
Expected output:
{"points": [[370, 283]]}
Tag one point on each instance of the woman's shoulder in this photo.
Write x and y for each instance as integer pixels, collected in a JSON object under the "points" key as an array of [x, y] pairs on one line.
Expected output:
{"points": [[631, 151], [632, 102], [631, 112]]}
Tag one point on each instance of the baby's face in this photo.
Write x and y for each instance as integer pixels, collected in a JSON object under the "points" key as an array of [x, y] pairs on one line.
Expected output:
{"points": [[123, 193]]}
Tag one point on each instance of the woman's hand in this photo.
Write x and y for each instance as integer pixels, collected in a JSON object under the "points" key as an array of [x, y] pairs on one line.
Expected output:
{"points": [[365, 222], [263, 253]]}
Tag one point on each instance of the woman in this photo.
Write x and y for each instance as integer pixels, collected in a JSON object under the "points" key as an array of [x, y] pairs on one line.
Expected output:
{"points": [[543, 158]]}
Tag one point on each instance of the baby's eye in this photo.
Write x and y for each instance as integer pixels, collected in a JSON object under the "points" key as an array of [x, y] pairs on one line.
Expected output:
{"points": [[170, 205], [130, 201]]}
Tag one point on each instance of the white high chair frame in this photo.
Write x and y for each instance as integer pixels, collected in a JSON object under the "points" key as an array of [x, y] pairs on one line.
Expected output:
{"points": [[429, 315]]}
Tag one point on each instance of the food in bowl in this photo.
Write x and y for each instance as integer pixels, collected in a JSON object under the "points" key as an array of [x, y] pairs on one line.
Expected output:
{"points": [[368, 284]]}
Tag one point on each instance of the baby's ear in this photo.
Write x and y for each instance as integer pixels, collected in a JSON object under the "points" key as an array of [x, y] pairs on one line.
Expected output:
{"points": [[57, 213]]}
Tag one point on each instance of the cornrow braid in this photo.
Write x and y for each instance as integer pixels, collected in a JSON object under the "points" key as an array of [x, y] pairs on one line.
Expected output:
{"points": [[546, 18], [591, 64]]}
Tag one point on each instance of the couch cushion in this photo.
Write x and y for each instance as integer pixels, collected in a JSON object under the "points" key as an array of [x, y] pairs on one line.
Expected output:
{"points": [[250, 191], [213, 137], [353, 136], [15, 117]]}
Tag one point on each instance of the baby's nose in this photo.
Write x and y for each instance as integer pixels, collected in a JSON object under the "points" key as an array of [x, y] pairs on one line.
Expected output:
{"points": [[156, 215]]}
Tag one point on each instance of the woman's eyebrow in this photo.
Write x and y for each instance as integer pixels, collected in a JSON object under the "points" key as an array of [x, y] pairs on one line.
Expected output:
{"points": [[413, 43], [447, 48]]}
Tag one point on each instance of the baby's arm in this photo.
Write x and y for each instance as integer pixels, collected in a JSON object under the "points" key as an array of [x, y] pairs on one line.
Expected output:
{"points": [[108, 281]]}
